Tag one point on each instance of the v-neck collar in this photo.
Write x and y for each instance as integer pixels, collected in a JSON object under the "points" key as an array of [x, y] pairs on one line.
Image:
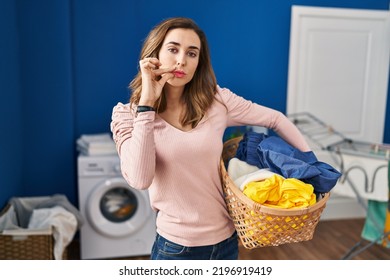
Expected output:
{"points": [[178, 129]]}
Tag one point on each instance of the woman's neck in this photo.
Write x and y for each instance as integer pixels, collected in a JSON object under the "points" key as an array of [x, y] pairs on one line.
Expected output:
{"points": [[174, 96], [175, 109]]}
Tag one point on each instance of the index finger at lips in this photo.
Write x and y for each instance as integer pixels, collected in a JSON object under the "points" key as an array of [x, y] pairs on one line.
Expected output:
{"points": [[161, 71]]}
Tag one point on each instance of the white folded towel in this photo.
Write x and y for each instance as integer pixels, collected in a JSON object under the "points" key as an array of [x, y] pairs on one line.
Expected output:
{"points": [[259, 175], [238, 168], [242, 173]]}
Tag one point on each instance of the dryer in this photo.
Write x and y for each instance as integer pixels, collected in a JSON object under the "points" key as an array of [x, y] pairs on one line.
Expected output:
{"points": [[119, 221]]}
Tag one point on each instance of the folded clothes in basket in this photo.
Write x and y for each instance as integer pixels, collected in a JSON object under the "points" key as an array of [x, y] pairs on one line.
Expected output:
{"points": [[280, 157], [269, 188]]}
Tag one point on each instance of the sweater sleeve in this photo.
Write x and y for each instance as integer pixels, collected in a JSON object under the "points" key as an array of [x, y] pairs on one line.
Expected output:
{"points": [[245, 112], [134, 139]]}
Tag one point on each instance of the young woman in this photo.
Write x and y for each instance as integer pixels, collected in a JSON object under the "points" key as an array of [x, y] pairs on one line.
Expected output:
{"points": [[169, 139]]}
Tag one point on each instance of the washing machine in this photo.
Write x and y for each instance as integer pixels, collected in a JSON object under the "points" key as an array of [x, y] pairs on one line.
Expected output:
{"points": [[118, 219]]}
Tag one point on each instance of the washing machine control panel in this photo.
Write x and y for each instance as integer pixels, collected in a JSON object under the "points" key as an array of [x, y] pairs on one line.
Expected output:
{"points": [[91, 166]]}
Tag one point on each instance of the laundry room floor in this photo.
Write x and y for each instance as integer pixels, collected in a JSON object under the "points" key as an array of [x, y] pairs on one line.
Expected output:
{"points": [[332, 240]]}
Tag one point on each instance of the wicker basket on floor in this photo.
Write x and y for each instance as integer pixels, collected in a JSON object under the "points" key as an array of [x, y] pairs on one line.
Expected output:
{"points": [[258, 225], [27, 246]]}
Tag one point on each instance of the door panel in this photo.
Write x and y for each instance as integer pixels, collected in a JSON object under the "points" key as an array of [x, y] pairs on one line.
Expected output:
{"points": [[339, 68]]}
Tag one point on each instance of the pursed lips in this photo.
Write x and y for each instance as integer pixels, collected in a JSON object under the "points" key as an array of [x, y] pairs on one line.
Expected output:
{"points": [[179, 73]]}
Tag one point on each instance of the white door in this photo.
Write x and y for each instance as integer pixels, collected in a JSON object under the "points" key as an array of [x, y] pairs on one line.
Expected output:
{"points": [[339, 68], [338, 72]]}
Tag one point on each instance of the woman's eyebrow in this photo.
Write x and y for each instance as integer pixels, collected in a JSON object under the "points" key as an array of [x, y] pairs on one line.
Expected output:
{"points": [[178, 44]]}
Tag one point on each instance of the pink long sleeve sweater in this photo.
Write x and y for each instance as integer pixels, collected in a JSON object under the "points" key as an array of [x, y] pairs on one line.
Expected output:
{"points": [[181, 169]]}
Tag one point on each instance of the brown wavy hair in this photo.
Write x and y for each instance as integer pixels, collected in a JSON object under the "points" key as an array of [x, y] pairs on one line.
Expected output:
{"points": [[199, 93]]}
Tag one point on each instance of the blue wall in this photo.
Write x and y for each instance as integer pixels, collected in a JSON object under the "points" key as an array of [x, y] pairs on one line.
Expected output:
{"points": [[11, 140], [66, 63]]}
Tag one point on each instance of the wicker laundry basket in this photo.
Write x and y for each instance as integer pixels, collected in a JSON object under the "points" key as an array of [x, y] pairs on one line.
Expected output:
{"points": [[258, 225], [27, 245]]}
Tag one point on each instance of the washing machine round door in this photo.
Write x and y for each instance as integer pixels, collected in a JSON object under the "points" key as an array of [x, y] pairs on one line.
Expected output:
{"points": [[115, 210]]}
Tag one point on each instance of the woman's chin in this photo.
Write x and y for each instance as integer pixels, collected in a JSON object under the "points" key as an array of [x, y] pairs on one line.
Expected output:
{"points": [[177, 82]]}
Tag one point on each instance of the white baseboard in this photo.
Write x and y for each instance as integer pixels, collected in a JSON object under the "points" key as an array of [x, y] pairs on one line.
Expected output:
{"points": [[342, 207]]}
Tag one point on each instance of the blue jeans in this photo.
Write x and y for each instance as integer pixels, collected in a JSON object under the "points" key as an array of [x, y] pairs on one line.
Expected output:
{"points": [[164, 249]]}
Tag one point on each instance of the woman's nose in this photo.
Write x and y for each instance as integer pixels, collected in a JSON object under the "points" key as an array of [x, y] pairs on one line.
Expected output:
{"points": [[180, 61]]}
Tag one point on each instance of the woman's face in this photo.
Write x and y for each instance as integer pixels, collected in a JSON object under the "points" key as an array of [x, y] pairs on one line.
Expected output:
{"points": [[181, 47]]}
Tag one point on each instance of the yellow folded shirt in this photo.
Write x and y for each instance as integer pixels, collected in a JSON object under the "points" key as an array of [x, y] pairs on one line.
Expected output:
{"points": [[276, 191]]}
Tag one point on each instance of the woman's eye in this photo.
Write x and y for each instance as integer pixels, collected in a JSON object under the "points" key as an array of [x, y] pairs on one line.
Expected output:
{"points": [[192, 54], [173, 50]]}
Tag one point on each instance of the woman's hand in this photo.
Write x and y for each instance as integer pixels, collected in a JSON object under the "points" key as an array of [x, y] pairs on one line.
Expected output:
{"points": [[153, 80]]}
